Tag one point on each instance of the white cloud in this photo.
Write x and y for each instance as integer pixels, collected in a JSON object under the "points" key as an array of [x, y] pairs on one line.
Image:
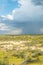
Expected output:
{"points": [[41, 30], [15, 31], [7, 17], [10, 17], [3, 27], [26, 12], [3, 16], [8, 30]]}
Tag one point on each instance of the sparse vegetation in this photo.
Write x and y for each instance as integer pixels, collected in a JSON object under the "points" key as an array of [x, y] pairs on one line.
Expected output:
{"points": [[21, 50]]}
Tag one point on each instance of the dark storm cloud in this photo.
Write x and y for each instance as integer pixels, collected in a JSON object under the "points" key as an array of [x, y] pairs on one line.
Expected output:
{"points": [[38, 2], [29, 27]]}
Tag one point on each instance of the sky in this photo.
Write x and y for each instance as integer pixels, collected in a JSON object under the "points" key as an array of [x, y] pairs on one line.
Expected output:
{"points": [[21, 17]]}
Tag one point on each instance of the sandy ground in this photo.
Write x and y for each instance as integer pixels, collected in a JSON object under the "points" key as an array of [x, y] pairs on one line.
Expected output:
{"points": [[14, 42], [9, 45]]}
